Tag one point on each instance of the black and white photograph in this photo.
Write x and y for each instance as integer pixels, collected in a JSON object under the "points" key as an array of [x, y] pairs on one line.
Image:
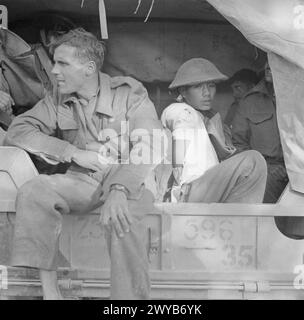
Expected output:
{"points": [[152, 150]]}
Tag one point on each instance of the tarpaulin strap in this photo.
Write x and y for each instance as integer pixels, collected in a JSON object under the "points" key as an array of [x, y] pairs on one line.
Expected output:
{"points": [[3, 16], [3, 37], [47, 67], [103, 20]]}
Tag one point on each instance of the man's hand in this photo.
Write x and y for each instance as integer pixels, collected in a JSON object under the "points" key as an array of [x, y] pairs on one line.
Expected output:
{"points": [[6, 102], [90, 160], [115, 212]]}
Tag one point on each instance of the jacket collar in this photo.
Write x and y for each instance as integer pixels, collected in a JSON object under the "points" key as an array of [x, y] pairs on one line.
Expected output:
{"points": [[259, 88], [104, 102]]}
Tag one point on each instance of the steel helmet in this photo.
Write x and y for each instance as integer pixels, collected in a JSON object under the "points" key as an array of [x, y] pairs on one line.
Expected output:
{"points": [[195, 71]]}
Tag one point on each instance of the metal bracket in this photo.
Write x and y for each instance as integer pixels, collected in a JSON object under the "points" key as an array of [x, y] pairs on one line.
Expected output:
{"points": [[263, 286], [256, 286], [250, 286], [153, 243]]}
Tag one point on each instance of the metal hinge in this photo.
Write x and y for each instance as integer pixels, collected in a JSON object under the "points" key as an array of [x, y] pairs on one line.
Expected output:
{"points": [[263, 286], [256, 286], [68, 284], [153, 243], [250, 286]]}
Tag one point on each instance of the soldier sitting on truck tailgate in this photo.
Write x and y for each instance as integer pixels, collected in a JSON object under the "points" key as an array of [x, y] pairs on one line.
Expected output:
{"points": [[90, 121], [200, 143]]}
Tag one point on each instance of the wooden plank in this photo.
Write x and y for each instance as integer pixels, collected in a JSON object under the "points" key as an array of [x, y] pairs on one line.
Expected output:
{"points": [[231, 209], [195, 276], [192, 276], [213, 209]]}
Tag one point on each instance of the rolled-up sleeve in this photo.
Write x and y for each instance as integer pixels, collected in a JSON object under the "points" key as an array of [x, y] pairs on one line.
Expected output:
{"points": [[180, 120], [34, 132]]}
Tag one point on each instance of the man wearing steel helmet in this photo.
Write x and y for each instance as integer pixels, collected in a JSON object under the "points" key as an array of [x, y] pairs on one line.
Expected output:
{"points": [[199, 144]]}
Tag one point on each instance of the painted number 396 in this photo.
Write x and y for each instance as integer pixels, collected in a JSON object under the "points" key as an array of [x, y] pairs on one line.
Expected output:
{"points": [[208, 229]]}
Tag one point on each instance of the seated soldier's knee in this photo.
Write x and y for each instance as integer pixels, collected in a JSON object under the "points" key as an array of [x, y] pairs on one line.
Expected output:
{"points": [[31, 190], [257, 161]]}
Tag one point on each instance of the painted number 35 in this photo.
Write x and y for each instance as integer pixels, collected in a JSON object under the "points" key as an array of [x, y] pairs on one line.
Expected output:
{"points": [[238, 255]]}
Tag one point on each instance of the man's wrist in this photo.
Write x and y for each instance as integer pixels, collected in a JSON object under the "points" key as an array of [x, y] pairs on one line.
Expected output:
{"points": [[74, 153], [119, 187], [69, 153]]}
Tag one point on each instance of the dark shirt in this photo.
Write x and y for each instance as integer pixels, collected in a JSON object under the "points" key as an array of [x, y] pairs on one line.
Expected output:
{"points": [[255, 124], [231, 113]]}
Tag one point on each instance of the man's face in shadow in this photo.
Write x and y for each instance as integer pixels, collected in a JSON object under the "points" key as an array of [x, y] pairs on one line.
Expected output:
{"points": [[240, 88]]}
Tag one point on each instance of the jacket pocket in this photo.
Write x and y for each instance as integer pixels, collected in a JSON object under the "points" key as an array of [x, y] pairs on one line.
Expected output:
{"points": [[67, 124], [65, 118], [112, 129], [259, 118], [68, 127]]}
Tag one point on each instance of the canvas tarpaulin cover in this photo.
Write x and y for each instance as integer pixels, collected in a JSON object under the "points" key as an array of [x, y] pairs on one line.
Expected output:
{"points": [[277, 27], [153, 52]]}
